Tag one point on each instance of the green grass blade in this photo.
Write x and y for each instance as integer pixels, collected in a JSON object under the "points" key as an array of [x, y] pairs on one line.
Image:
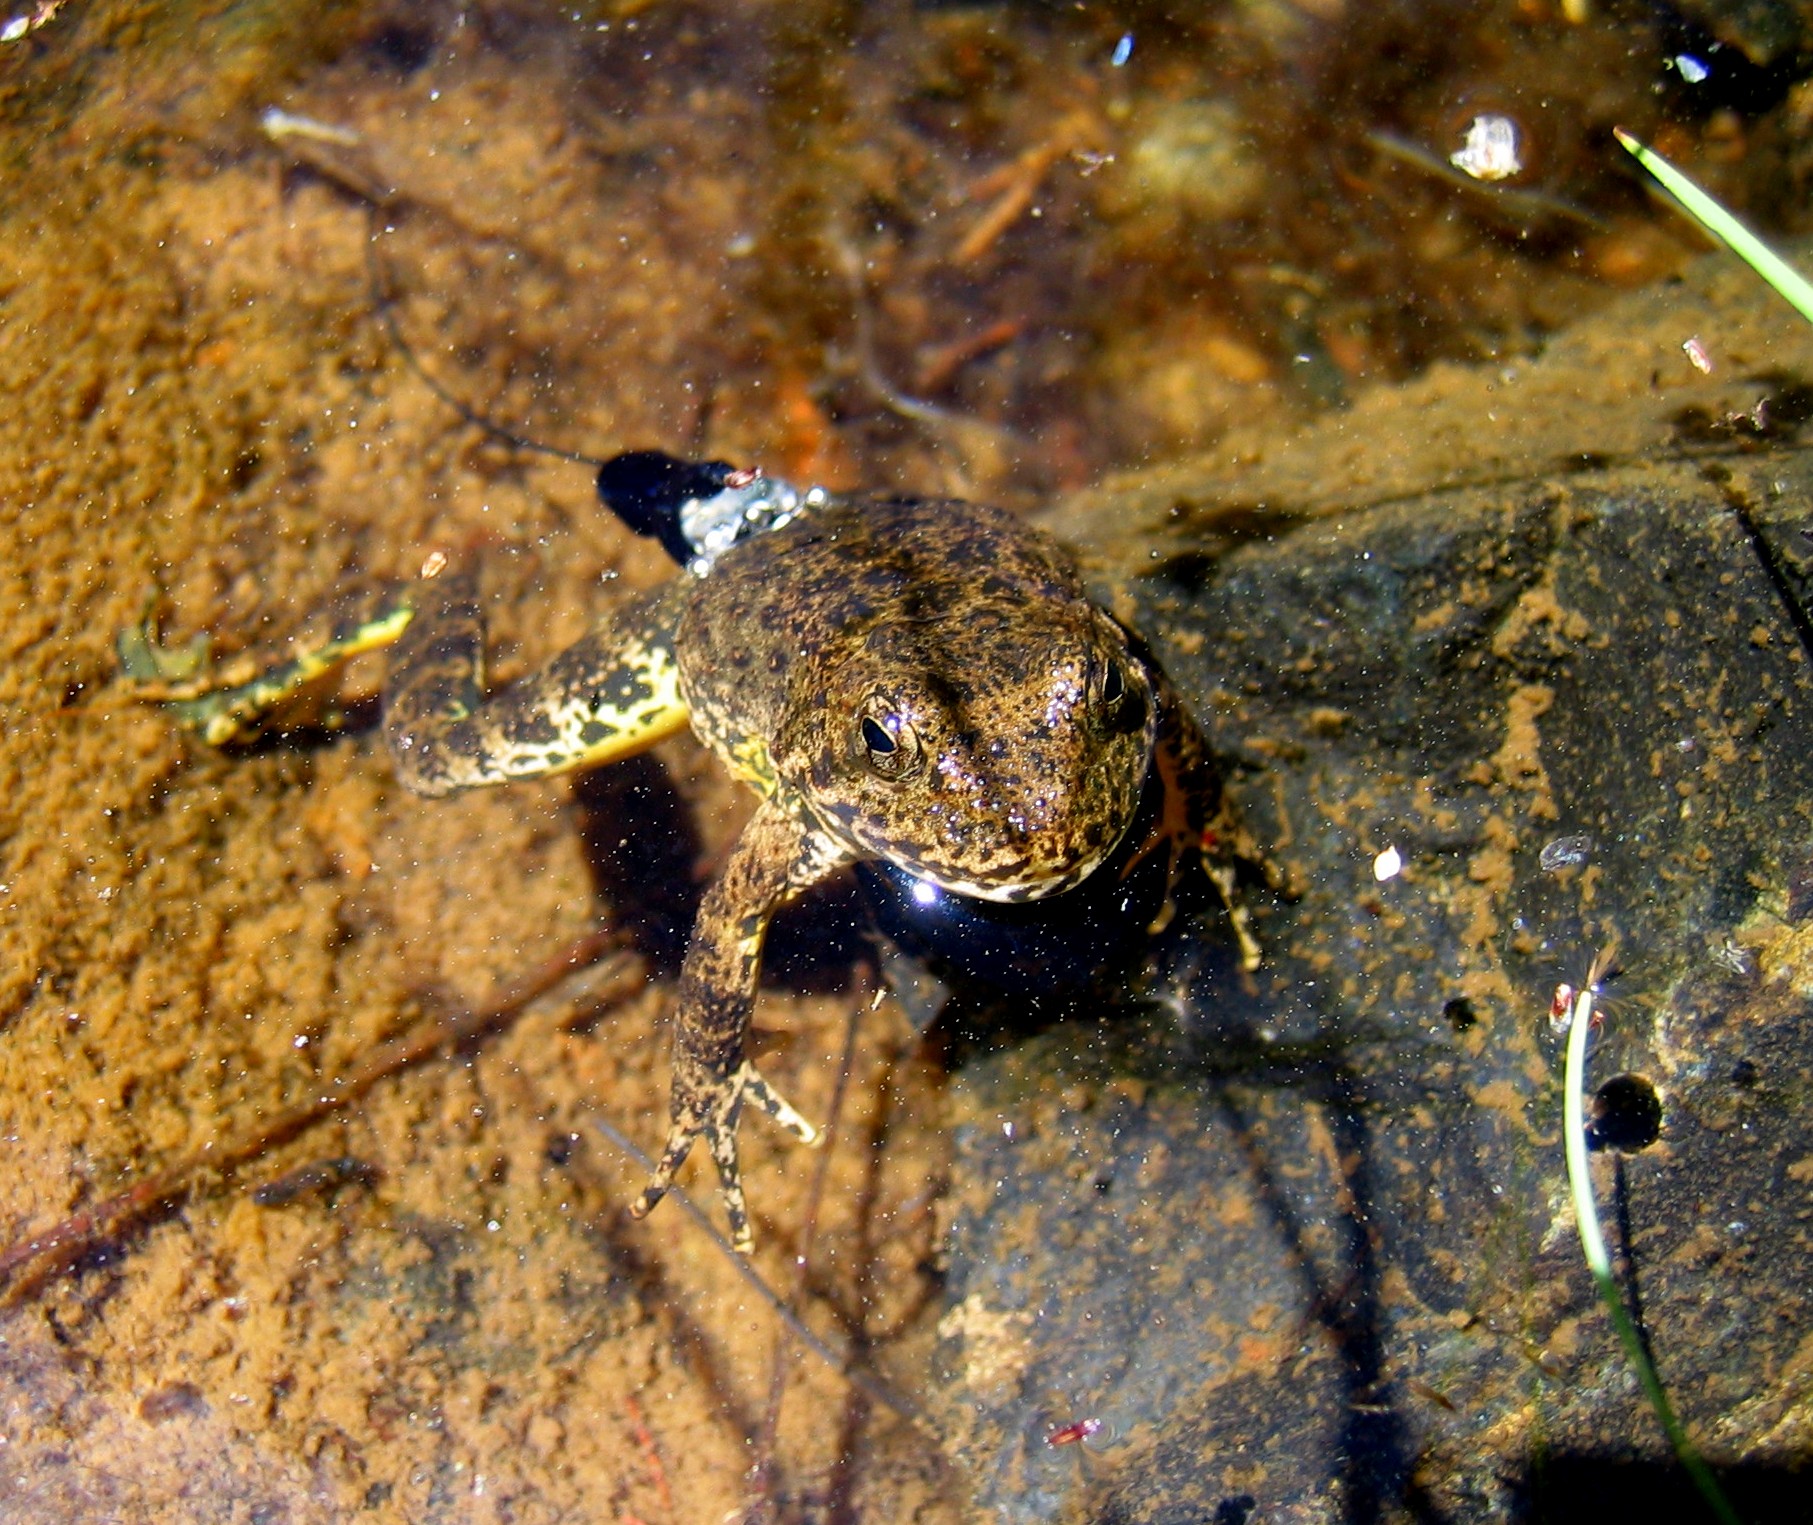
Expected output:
{"points": [[1788, 282], [1592, 1242]]}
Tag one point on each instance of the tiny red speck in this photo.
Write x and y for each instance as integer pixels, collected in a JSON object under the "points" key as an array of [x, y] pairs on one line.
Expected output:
{"points": [[1070, 1434]]}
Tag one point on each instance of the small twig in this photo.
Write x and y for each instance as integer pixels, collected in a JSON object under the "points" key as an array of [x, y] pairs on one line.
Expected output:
{"points": [[841, 1485], [760, 1471], [1015, 184], [938, 369], [1592, 1242], [1508, 200], [27, 1263]]}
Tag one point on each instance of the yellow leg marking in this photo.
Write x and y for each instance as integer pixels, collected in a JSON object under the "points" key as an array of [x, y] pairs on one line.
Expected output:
{"points": [[612, 693], [750, 761], [549, 722], [592, 734], [222, 716]]}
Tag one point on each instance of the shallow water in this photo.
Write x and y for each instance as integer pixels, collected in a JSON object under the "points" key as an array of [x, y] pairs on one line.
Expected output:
{"points": [[1005, 251]]}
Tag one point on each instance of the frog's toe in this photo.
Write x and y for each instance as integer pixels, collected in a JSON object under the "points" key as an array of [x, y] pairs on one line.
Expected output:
{"points": [[146, 660], [719, 1130], [714, 1119], [778, 1107], [680, 1135], [723, 1145], [1222, 876]]}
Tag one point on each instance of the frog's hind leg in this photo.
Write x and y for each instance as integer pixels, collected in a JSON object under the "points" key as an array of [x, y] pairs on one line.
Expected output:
{"points": [[612, 693], [226, 711]]}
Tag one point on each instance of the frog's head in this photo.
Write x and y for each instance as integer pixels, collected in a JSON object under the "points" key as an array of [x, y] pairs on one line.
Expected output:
{"points": [[999, 754]]}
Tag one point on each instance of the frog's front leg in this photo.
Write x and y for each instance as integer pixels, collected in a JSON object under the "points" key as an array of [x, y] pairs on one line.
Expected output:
{"points": [[613, 692], [774, 859]]}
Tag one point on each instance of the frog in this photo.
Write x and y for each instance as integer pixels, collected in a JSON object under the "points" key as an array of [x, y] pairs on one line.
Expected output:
{"points": [[919, 683]]}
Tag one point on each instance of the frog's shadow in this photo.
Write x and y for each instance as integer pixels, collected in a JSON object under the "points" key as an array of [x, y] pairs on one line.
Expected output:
{"points": [[642, 850], [1186, 981]]}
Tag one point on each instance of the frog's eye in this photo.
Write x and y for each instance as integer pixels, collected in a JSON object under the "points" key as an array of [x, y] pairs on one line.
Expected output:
{"points": [[886, 742], [1117, 701]]}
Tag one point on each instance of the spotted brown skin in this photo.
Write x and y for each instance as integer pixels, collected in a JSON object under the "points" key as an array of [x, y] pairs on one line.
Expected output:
{"points": [[922, 683], [1020, 720]]}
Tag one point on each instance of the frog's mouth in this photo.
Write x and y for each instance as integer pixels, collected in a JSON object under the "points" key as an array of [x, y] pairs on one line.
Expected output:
{"points": [[1017, 880], [1008, 853]]}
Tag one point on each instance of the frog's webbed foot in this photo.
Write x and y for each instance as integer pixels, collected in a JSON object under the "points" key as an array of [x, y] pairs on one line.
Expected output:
{"points": [[709, 1109], [230, 705], [181, 678]]}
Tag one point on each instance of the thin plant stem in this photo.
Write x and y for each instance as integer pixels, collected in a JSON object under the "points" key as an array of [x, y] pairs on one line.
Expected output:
{"points": [[1592, 1242], [761, 1472], [865, 1381], [1787, 282]]}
